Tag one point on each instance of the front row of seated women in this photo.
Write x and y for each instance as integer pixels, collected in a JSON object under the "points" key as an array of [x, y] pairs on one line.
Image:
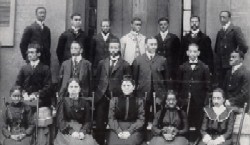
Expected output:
{"points": [[126, 120]]}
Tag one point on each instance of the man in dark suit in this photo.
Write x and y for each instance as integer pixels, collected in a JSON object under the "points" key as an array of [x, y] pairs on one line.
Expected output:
{"points": [[99, 45], [236, 84], [37, 33], [76, 67], [168, 46], [150, 73], [75, 33], [202, 40], [110, 72], [193, 78], [229, 38], [35, 77]]}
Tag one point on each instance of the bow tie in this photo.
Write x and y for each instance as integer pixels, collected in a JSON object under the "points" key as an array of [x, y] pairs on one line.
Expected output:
{"points": [[193, 63]]}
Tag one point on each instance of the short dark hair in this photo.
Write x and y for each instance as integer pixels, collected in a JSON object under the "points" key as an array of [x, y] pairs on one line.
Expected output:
{"points": [[241, 54], [228, 12], [105, 20], [40, 8], [77, 42], [75, 14], [220, 91], [135, 19], [128, 78], [163, 19], [151, 37], [193, 44], [195, 17], [36, 46]]}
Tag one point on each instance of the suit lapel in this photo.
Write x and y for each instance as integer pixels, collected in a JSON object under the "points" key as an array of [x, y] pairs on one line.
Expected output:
{"points": [[167, 37], [117, 65], [106, 65]]}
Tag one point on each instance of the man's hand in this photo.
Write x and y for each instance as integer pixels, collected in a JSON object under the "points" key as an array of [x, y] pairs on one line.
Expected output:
{"points": [[81, 135], [75, 134]]}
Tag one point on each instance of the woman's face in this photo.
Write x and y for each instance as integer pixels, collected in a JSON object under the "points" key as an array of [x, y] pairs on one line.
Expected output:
{"points": [[127, 87], [217, 99], [16, 96], [171, 101], [74, 88]]}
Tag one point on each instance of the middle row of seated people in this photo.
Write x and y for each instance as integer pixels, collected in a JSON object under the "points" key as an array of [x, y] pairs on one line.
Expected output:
{"points": [[149, 71], [126, 119]]}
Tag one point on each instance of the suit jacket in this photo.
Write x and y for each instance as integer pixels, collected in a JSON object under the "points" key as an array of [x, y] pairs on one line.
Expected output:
{"points": [[99, 49], [110, 80], [85, 76], [204, 43], [151, 73], [236, 86], [226, 42], [34, 33], [169, 48], [194, 81], [128, 46], [36, 80], [64, 43]]}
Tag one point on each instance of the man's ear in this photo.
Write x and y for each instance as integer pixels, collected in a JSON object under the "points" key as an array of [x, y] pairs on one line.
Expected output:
{"points": [[199, 53], [39, 54]]}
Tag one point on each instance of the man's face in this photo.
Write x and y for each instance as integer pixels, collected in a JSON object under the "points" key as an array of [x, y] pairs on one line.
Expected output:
{"points": [[76, 21], [193, 52], [224, 18], [163, 26], [41, 14], [32, 54], [136, 26], [217, 99], [235, 59], [105, 27], [75, 49], [194, 23], [151, 45], [114, 49], [171, 101], [127, 87]]}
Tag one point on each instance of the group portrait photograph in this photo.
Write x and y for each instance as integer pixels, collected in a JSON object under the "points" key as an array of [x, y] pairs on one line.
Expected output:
{"points": [[124, 72]]}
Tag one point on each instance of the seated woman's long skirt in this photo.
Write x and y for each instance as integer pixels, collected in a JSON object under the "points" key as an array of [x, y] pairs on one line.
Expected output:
{"points": [[25, 141], [158, 140]]}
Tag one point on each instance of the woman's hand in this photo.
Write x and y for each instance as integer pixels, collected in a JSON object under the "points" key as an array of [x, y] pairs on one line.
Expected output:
{"points": [[81, 135], [124, 135], [75, 134]]}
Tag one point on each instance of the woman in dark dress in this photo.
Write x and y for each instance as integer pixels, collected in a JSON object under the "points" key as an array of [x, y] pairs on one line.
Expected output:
{"points": [[218, 122], [126, 116], [73, 118], [18, 126], [170, 124]]}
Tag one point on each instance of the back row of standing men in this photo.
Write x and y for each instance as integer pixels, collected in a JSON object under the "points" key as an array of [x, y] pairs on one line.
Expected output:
{"points": [[153, 63]]}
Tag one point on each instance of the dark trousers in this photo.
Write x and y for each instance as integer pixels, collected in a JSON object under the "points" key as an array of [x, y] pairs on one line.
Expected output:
{"points": [[220, 76], [102, 110]]}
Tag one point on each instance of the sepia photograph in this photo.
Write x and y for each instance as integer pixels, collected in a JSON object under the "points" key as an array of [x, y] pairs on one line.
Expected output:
{"points": [[124, 72]]}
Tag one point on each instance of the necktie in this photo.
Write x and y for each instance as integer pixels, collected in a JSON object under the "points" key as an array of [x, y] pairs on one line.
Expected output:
{"points": [[74, 67], [137, 49]]}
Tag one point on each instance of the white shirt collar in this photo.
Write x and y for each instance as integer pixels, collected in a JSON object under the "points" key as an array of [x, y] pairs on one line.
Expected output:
{"points": [[77, 58], [236, 67], [114, 59], [219, 110], [105, 37], [40, 23], [195, 31], [76, 30], [163, 34], [193, 61], [150, 55], [134, 33], [226, 26], [34, 63]]}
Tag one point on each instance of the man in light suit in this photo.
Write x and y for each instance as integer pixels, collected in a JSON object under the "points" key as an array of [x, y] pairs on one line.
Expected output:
{"points": [[150, 73], [110, 72], [168, 46], [76, 67], [133, 43], [99, 45], [229, 38], [39, 33]]}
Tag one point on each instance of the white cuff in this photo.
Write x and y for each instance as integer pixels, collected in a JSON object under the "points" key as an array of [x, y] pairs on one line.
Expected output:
{"points": [[206, 138], [220, 139]]}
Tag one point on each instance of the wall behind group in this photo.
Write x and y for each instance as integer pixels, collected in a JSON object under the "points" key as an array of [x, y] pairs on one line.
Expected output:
{"points": [[10, 58]]}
